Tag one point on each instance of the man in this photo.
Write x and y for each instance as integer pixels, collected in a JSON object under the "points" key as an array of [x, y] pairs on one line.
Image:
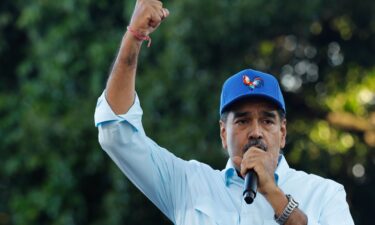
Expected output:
{"points": [[252, 130]]}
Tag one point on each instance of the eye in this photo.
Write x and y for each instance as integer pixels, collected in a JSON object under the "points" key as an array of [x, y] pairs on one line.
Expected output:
{"points": [[268, 121], [242, 121]]}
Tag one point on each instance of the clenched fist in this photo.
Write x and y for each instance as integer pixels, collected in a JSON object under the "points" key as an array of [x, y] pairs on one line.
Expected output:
{"points": [[147, 16]]}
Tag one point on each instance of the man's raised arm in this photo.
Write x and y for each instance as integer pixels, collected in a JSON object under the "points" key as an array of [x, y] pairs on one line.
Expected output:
{"points": [[120, 90]]}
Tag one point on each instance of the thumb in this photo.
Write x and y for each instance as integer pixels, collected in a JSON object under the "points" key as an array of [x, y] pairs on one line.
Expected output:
{"points": [[165, 12]]}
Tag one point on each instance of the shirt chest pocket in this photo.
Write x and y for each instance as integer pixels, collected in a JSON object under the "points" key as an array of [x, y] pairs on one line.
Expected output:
{"points": [[208, 212]]}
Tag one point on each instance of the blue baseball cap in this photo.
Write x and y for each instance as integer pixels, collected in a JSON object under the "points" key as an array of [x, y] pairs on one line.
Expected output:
{"points": [[250, 83]]}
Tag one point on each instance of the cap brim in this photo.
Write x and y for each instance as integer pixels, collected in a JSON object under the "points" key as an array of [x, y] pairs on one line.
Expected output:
{"points": [[251, 96]]}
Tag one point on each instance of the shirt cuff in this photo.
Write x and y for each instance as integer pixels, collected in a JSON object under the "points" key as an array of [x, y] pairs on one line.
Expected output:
{"points": [[105, 114]]}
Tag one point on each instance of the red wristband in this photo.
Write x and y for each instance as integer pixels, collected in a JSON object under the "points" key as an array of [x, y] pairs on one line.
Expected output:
{"points": [[140, 36]]}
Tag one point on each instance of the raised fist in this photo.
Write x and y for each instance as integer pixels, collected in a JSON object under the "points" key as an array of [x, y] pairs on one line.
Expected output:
{"points": [[147, 16]]}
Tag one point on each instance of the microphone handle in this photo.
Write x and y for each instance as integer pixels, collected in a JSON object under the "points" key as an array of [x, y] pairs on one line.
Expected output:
{"points": [[251, 186]]}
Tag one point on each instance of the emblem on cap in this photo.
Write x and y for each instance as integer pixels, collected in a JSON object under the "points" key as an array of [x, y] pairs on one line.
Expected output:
{"points": [[257, 82]]}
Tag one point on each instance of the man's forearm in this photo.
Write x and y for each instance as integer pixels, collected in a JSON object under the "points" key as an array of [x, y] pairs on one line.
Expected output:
{"points": [[297, 218], [147, 16], [121, 83], [278, 201]]}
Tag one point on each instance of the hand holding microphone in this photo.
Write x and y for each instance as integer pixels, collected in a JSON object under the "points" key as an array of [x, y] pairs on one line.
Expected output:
{"points": [[257, 167]]}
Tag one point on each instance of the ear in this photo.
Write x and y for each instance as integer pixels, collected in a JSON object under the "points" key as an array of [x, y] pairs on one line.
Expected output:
{"points": [[283, 133], [223, 134]]}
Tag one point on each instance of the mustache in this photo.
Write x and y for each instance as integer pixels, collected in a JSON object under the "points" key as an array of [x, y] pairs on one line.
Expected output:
{"points": [[255, 142]]}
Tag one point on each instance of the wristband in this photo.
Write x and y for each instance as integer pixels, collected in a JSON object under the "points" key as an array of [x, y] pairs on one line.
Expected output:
{"points": [[292, 204], [140, 36]]}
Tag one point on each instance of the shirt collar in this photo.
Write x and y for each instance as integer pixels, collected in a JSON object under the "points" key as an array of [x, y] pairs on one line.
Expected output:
{"points": [[229, 172], [231, 176]]}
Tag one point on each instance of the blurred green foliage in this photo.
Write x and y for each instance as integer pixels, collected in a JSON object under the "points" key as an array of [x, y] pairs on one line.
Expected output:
{"points": [[54, 62]]}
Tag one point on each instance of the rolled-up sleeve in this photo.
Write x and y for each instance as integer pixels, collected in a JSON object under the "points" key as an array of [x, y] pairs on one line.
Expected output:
{"points": [[104, 114], [159, 174]]}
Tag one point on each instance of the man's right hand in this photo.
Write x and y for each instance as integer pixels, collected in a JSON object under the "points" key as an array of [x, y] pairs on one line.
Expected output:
{"points": [[147, 16], [120, 90]]}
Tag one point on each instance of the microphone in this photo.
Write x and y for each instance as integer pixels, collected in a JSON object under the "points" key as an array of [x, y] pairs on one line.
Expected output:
{"points": [[250, 188], [251, 178]]}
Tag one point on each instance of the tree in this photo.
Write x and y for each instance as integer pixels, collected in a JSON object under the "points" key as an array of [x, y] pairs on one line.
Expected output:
{"points": [[55, 58]]}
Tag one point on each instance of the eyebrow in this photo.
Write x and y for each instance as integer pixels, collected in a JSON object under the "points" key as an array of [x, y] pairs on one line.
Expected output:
{"points": [[240, 114], [268, 114]]}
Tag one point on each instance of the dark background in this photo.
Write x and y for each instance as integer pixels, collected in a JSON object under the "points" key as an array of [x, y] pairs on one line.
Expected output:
{"points": [[55, 58]]}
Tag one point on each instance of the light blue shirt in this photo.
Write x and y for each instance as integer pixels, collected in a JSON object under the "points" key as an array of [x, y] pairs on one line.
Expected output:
{"points": [[192, 193]]}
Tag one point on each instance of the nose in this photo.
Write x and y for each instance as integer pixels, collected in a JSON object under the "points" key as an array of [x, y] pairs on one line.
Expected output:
{"points": [[255, 131]]}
